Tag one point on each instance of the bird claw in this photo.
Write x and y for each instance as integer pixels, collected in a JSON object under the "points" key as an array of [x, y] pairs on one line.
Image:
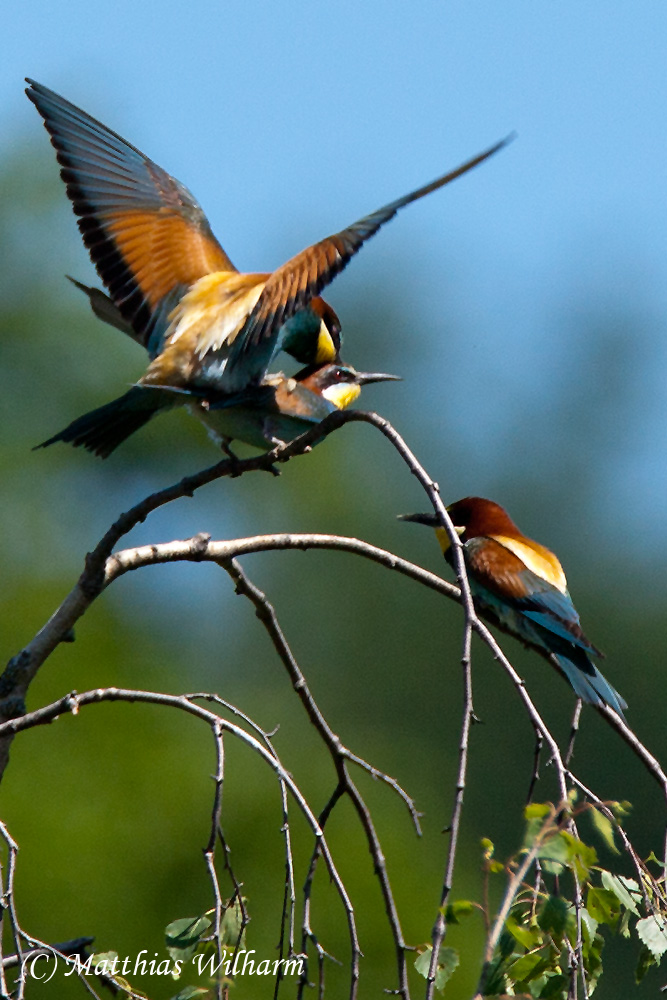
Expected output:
{"points": [[234, 459]]}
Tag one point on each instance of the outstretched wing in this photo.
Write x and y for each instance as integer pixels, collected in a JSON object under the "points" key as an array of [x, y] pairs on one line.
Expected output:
{"points": [[146, 234], [293, 285]]}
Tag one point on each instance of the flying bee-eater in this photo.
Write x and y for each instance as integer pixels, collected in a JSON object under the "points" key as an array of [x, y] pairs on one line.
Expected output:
{"points": [[520, 584], [206, 326]]}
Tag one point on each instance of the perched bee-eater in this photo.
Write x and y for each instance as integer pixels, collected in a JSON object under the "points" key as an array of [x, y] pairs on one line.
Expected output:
{"points": [[521, 585], [207, 327], [274, 412]]}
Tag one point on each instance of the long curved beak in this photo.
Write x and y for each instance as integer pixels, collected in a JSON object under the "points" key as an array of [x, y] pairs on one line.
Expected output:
{"points": [[365, 378], [430, 520]]}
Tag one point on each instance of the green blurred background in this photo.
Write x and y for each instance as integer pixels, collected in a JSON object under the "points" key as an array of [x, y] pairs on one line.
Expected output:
{"points": [[550, 402]]}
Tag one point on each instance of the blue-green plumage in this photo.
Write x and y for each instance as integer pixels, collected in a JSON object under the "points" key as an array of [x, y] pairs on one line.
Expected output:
{"points": [[519, 584], [545, 618]]}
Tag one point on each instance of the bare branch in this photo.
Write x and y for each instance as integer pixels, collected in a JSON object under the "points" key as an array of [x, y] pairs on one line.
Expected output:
{"points": [[440, 926], [267, 616], [73, 702]]}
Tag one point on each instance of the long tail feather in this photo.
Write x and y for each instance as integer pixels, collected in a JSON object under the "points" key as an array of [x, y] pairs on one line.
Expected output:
{"points": [[102, 430], [590, 685]]}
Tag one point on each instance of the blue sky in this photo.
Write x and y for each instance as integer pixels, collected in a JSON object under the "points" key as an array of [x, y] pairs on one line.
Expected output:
{"points": [[291, 120]]}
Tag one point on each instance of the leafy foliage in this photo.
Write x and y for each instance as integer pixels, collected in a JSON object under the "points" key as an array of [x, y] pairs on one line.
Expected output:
{"points": [[549, 928]]}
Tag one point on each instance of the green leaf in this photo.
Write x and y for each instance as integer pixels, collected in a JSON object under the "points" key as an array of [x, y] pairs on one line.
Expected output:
{"points": [[527, 937], [535, 987], [593, 963], [620, 809], [423, 961], [537, 810], [460, 908], [556, 848], [603, 906], [537, 821], [583, 856], [624, 889], [189, 992], [106, 957], [527, 967], [653, 933], [448, 959], [589, 925], [495, 978], [605, 828], [644, 963], [183, 936], [506, 944], [123, 984], [555, 987], [232, 930], [553, 917]]}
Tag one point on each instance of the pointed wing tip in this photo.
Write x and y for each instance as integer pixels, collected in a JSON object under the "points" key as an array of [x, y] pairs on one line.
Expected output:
{"points": [[510, 137], [33, 88], [496, 147]]}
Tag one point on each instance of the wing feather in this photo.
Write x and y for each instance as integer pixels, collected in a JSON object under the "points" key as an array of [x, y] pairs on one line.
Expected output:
{"points": [[292, 286], [506, 576], [147, 236]]}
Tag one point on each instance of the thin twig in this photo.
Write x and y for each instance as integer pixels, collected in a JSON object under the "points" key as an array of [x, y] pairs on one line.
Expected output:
{"points": [[8, 906], [513, 887], [440, 925], [535, 776], [574, 729], [73, 702], [237, 895], [644, 876], [289, 897], [209, 850], [307, 933], [267, 615]]}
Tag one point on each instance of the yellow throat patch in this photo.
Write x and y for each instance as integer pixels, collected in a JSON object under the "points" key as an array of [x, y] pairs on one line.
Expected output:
{"points": [[342, 395]]}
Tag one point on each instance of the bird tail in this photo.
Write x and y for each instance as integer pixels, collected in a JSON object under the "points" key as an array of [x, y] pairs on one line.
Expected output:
{"points": [[588, 682], [102, 430]]}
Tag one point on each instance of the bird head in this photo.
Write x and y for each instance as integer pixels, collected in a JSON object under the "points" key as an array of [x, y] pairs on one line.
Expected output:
{"points": [[329, 338], [472, 517], [312, 335], [339, 384]]}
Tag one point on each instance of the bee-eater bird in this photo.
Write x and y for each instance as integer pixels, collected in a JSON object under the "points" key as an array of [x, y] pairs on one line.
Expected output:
{"points": [[274, 412], [205, 325], [520, 584]]}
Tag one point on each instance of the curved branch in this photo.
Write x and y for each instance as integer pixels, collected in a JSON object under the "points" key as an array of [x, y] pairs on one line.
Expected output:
{"points": [[74, 701]]}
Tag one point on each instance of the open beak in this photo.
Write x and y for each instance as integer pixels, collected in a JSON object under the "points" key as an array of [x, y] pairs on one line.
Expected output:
{"points": [[365, 378]]}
